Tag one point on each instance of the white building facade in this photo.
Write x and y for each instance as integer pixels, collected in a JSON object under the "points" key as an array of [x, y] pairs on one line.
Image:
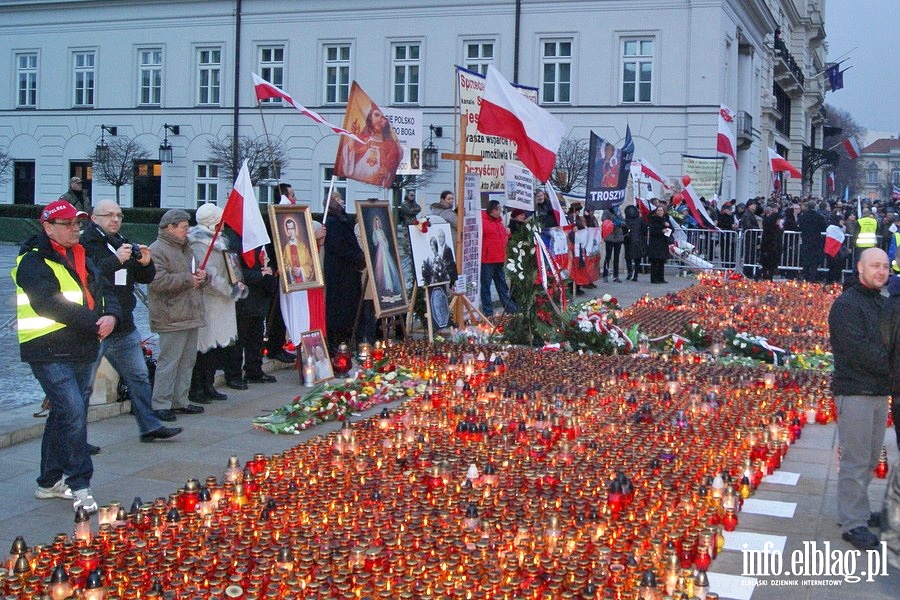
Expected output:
{"points": [[661, 66]]}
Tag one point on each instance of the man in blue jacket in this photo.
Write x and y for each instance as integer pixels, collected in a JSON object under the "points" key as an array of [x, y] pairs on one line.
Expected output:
{"points": [[64, 310]]}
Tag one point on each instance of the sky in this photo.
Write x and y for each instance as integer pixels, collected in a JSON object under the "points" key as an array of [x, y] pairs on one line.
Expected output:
{"points": [[871, 92]]}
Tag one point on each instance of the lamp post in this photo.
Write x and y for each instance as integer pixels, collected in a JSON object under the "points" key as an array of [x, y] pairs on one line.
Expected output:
{"points": [[430, 153], [102, 149], [165, 149]]}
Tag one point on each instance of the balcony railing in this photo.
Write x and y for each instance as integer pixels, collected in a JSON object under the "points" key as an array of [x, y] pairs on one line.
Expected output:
{"points": [[781, 50], [743, 123]]}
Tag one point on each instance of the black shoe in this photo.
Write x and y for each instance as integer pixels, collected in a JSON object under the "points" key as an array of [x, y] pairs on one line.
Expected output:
{"points": [[93, 450], [861, 538], [190, 409], [282, 356], [874, 520], [200, 398], [236, 384], [162, 433], [214, 394], [664, 281], [264, 378], [165, 415], [617, 280]]}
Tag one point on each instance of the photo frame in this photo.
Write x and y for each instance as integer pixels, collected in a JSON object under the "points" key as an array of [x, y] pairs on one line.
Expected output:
{"points": [[379, 244], [438, 299], [233, 266], [296, 252], [433, 254], [312, 343]]}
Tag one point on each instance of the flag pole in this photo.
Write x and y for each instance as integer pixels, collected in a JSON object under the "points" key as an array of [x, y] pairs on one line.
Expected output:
{"points": [[275, 171], [328, 199], [212, 243]]}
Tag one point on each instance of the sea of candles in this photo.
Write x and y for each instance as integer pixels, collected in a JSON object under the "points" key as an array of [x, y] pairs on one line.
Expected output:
{"points": [[514, 474]]}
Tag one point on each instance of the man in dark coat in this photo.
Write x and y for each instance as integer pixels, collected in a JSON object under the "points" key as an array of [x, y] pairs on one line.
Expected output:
{"points": [[770, 243], [811, 225], [343, 265], [727, 223], [251, 314], [860, 384], [660, 236]]}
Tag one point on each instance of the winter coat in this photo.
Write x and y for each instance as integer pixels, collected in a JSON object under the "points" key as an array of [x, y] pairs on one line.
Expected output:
{"points": [[494, 237], [344, 261], [617, 236], [812, 243], [890, 333], [174, 303], [658, 242], [100, 248], [860, 357], [543, 214], [219, 294], [77, 341], [636, 236], [770, 242], [448, 214], [261, 289]]}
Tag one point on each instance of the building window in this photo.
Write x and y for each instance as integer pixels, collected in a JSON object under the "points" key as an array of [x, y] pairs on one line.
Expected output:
{"points": [[478, 55], [207, 183], [271, 67], [340, 185], [26, 80], [337, 73], [783, 105], [556, 64], [872, 174], [150, 74], [83, 78], [637, 70], [895, 178], [209, 76], [406, 73]]}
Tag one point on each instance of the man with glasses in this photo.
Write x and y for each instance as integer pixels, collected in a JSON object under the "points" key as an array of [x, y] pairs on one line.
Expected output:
{"points": [[64, 310], [115, 257]]}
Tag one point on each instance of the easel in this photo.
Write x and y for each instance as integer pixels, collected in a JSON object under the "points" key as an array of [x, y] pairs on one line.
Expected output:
{"points": [[460, 305], [427, 316]]}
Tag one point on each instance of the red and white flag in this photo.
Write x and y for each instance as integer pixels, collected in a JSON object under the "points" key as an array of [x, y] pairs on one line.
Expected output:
{"points": [[506, 113], [779, 163], [725, 141], [852, 148], [834, 239], [829, 182], [557, 207], [265, 90], [241, 213], [698, 211], [651, 172], [644, 207]]}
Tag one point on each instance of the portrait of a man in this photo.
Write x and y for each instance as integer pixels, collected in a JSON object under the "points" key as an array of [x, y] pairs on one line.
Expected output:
{"points": [[297, 257], [313, 346]]}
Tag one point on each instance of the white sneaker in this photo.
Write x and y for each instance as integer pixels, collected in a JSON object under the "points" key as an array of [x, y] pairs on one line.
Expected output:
{"points": [[59, 490], [84, 499]]}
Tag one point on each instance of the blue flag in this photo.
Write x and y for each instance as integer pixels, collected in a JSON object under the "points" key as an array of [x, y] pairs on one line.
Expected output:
{"points": [[835, 77], [608, 169]]}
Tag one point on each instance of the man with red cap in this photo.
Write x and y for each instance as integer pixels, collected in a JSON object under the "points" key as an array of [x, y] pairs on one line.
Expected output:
{"points": [[64, 309]]}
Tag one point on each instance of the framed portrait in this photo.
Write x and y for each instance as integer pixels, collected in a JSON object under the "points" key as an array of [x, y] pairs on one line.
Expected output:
{"points": [[434, 258], [438, 305], [295, 247], [312, 344], [379, 244], [233, 266]]}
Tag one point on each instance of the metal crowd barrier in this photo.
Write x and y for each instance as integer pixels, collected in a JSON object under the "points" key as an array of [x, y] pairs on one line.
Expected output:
{"points": [[739, 251]]}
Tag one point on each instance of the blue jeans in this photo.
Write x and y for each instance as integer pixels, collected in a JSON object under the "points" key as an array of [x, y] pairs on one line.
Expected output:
{"points": [[123, 351], [493, 272], [67, 386]]}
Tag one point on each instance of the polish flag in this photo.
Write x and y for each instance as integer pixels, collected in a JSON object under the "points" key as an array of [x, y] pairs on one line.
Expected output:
{"points": [[651, 172], [698, 211], [725, 141], [852, 147], [241, 213], [506, 113], [779, 163], [834, 239], [829, 182], [265, 91], [644, 208], [557, 207]]}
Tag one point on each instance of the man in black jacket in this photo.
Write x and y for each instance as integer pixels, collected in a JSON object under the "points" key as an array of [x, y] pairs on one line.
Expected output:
{"points": [[860, 387], [64, 309], [115, 258]]}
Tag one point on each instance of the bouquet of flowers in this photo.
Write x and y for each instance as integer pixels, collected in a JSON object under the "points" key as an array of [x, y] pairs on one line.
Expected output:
{"points": [[696, 335], [592, 326], [337, 402], [755, 346]]}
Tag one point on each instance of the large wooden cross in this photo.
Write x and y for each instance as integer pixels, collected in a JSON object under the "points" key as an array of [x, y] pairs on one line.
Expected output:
{"points": [[462, 158]]}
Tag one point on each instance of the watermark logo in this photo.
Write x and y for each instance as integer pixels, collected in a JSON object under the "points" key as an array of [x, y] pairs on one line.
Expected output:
{"points": [[814, 564]]}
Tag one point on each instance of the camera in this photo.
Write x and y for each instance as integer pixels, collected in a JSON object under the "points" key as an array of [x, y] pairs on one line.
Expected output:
{"points": [[136, 251]]}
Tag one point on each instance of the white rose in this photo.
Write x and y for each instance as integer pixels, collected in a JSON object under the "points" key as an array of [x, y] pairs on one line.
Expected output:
{"points": [[607, 297]]}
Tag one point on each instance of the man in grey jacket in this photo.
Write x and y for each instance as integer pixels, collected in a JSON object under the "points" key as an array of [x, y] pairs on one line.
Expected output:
{"points": [[176, 314]]}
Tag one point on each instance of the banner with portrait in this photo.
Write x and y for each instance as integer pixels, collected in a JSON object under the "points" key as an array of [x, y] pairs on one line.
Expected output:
{"points": [[376, 160], [705, 173], [495, 151], [608, 170]]}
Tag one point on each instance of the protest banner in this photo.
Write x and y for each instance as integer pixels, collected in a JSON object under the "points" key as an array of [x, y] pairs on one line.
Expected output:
{"points": [[705, 173], [407, 125], [608, 171]]}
